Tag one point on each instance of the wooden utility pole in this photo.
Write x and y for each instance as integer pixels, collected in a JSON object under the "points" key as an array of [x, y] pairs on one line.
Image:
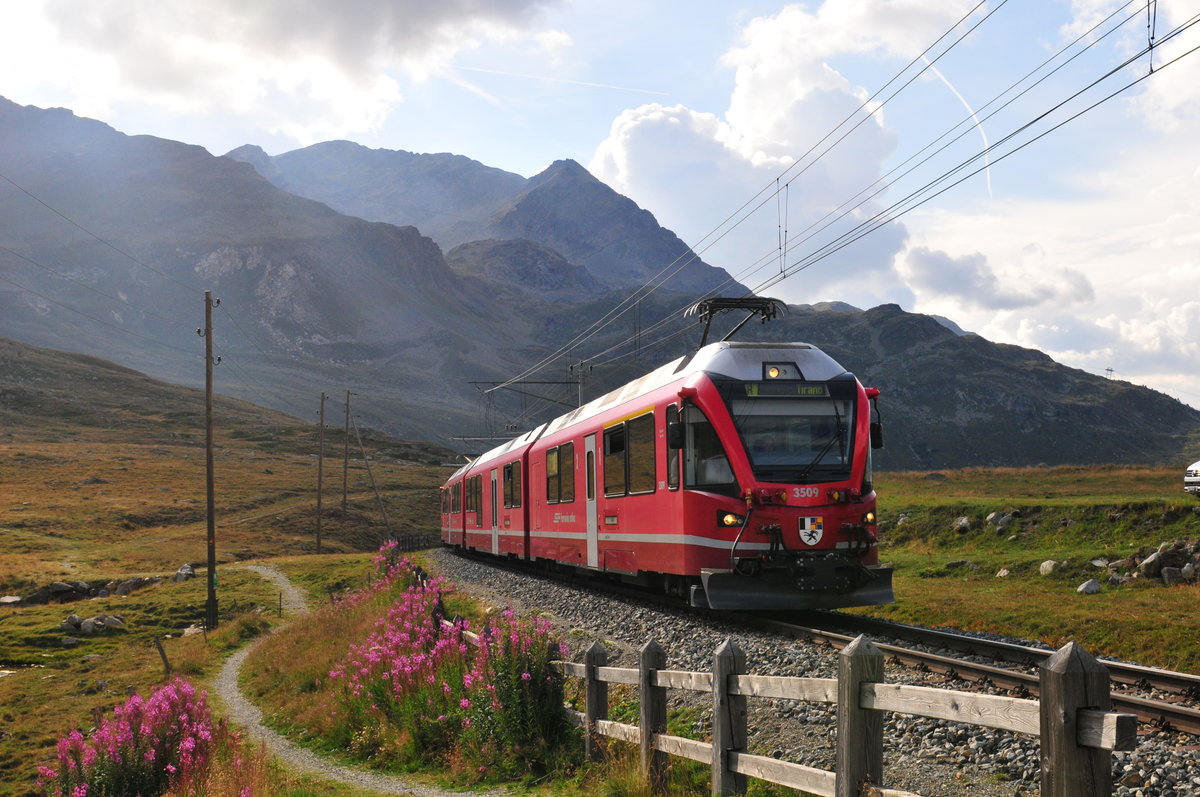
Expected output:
{"points": [[346, 455], [320, 470], [210, 608]]}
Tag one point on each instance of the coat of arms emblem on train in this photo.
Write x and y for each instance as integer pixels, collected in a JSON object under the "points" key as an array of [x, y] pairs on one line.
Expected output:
{"points": [[812, 529]]}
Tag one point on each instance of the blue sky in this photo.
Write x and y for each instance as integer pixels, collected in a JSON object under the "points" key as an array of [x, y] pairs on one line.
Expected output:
{"points": [[1085, 244]]}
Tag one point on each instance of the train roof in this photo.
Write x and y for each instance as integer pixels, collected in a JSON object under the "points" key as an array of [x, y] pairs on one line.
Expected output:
{"points": [[732, 359]]}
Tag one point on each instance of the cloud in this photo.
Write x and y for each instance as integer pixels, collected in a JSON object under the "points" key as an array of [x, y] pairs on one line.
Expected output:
{"points": [[692, 167], [1098, 276], [310, 69], [970, 279]]}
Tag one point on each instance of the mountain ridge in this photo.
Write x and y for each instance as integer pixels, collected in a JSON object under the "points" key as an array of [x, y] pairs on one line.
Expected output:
{"points": [[315, 299]]}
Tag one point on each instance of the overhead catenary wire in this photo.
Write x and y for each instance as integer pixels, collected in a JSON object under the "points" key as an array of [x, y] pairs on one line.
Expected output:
{"points": [[883, 183], [740, 215], [832, 247], [910, 203]]}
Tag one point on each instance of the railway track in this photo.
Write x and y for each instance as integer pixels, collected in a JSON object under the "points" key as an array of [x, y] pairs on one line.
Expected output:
{"points": [[1168, 714]]}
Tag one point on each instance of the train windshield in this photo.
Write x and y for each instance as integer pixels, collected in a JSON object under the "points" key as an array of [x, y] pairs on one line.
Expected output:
{"points": [[794, 439]]}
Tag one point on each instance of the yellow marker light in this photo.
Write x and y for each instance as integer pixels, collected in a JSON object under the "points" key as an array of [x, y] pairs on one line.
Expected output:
{"points": [[773, 372]]}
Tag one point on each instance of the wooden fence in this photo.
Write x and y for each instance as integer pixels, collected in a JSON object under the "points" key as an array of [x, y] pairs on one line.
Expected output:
{"points": [[1078, 732], [407, 543]]}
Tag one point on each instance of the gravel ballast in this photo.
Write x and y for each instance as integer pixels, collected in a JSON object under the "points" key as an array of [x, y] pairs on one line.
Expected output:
{"points": [[928, 757], [933, 758]]}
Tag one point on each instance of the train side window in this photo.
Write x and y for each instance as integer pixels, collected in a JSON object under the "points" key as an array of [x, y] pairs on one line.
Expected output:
{"points": [[566, 472], [591, 475], [706, 466], [642, 472], [474, 493], [552, 480], [672, 453], [512, 485], [614, 460]]}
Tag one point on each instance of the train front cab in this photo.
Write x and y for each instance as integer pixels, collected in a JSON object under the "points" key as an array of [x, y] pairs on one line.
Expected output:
{"points": [[782, 467]]}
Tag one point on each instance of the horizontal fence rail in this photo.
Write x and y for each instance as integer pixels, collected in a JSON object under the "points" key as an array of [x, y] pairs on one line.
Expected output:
{"points": [[1077, 729]]}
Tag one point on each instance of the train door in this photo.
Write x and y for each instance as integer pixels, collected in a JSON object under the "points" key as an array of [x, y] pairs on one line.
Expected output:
{"points": [[593, 527], [495, 518]]}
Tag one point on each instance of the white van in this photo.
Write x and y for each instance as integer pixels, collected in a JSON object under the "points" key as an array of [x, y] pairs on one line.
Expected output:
{"points": [[1191, 479]]}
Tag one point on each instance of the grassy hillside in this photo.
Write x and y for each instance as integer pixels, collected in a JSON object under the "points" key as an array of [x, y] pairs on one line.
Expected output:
{"points": [[102, 478], [1080, 516]]}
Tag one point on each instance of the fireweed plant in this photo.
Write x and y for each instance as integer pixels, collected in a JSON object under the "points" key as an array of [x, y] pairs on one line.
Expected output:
{"points": [[418, 692], [147, 747]]}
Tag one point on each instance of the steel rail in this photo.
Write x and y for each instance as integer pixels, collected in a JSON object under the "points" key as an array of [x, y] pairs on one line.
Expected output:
{"points": [[1160, 714], [1123, 673]]}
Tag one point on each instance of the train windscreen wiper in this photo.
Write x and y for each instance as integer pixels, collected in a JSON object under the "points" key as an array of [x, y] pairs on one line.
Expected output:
{"points": [[836, 438]]}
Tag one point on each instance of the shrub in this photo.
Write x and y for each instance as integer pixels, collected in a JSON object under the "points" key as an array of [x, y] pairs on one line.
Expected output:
{"points": [[417, 692], [146, 747]]}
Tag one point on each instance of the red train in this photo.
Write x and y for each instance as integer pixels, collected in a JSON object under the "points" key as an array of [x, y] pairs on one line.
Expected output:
{"points": [[738, 477]]}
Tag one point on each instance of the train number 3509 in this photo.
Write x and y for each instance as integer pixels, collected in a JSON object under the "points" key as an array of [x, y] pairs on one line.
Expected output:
{"points": [[806, 492]]}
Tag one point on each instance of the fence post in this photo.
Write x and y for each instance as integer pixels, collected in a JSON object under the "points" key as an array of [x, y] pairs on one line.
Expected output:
{"points": [[653, 715], [860, 731], [728, 720], [1071, 680], [595, 694]]}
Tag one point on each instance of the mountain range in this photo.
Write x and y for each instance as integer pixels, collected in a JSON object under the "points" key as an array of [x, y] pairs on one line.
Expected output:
{"points": [[415, 280]]}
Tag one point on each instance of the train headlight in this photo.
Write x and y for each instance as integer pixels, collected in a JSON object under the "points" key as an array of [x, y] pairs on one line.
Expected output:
{"points": [[729, 519], [773, 372], [869, 517]]}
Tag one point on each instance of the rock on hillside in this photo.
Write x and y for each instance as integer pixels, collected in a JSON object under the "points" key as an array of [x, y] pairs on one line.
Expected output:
{"points": [[524, 265]]}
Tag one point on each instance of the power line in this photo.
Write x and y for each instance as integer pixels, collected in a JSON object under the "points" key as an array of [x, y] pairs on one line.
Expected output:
{"points": [[93, 318], [883, 217], [739, 217], [898, 209], [92, 288], [86, 231]]}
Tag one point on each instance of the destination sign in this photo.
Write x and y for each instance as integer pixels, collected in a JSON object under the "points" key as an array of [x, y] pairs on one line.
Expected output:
{"points": [[810, 389]]}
